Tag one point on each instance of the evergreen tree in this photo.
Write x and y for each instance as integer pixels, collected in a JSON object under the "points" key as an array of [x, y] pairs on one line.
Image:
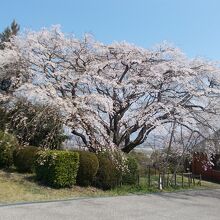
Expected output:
{"points": [[8, 33], [5, 36]]}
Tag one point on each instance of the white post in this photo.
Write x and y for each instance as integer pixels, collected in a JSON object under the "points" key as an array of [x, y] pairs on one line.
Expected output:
{"points": [[161, 187]]}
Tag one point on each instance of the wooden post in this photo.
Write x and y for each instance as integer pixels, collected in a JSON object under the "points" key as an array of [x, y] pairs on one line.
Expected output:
{"points": [[164, 180], [138, 179], [188, 179], [200, 179], [159, 181], [149, 176], [175, 179], [193, 177], [182, 181], [167, 179]]}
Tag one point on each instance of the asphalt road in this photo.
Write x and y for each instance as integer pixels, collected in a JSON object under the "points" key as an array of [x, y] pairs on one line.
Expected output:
{"points": [[198, 205]]}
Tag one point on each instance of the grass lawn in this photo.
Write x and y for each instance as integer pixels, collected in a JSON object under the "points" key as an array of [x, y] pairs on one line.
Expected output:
{"points": [[17, 187], [143, 187]]}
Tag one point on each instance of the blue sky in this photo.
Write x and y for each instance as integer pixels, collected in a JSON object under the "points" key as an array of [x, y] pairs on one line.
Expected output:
{"points": [[192, 25]]}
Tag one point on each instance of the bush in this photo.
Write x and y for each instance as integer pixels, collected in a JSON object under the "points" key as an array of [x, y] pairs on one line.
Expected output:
{"points": [[24, 158], [108, 176], [130, 176], [88, 167], [8, 143], [57, 168]]}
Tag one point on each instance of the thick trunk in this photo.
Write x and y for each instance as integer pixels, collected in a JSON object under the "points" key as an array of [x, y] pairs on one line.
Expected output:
{"points": [[128, 148], [116, 131], [141, 137], [138, 140]]}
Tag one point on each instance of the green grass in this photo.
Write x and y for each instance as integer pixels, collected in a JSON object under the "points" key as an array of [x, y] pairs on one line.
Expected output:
{"points": [[17, 187], [143, 187]]}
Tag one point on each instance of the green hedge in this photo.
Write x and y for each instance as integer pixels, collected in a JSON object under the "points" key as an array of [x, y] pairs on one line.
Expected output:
{"points": [[24, 158], [8, 144], [88, 167], [130, 176], [108, 176], [57, 168]]}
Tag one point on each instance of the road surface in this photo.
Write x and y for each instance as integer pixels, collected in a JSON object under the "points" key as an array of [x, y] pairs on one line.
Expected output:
{"points": [[188, 205]]}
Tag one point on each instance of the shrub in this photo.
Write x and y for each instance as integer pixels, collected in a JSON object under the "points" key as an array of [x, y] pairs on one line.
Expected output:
{"points": [[57, 168], [88, 167], [8, 143], [131, 174], [108, 175], [24, 158]]}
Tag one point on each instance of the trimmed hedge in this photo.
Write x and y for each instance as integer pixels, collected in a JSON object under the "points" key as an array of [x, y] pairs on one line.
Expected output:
{"points": [[131, 175], [24, 158], [88, 167], [57, 168], [108, 176], [8, 144]]}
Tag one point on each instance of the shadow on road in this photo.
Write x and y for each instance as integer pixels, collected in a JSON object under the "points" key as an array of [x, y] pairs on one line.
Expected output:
{"points": [[187, 195]]}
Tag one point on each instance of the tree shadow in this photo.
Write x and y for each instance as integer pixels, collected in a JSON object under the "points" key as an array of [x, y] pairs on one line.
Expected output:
{"points": [[188, 194]]}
